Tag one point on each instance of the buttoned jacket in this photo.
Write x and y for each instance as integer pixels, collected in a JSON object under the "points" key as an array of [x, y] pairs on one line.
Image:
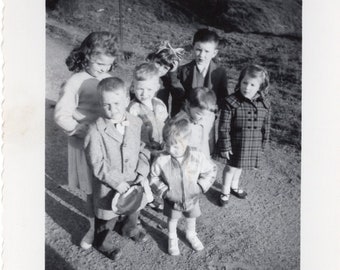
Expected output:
{"points": [[114, 158], [244, 128]]}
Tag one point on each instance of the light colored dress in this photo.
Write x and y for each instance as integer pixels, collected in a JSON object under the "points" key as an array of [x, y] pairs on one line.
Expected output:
{"points": [[77, 107]]}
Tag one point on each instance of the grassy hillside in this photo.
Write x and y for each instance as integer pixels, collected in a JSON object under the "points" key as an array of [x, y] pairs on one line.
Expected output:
{"points": [[147, 22], [261, 232]]}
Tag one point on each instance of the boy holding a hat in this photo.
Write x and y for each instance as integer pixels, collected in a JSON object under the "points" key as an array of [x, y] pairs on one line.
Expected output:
{"points": [[118, 160]]}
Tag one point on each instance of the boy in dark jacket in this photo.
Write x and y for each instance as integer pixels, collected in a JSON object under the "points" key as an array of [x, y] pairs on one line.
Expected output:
{"points": [[203, 71]]}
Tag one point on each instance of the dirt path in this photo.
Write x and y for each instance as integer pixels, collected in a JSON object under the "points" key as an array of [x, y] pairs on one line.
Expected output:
{"points": [[261, 232]]}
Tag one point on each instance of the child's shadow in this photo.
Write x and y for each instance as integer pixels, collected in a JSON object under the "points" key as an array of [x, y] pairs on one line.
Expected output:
{"points": [[54, 261], [69, 220], [160, 238], [213, 193]]}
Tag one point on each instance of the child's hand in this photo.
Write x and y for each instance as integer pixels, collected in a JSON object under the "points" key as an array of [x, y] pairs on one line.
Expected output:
{"points": [[123, 187], [81, 130], [226, 154], [140, 179], [175, 66]]}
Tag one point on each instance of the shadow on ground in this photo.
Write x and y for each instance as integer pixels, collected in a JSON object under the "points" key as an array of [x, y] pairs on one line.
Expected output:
{"points": [[53, 261]]}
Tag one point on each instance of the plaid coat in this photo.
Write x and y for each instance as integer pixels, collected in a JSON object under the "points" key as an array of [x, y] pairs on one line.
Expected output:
{"points": [[244, 128]]}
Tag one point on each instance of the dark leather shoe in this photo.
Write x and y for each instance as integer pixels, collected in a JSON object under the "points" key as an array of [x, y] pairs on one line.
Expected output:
{"points": [[113, 254], [140, 236], [238, 194]]}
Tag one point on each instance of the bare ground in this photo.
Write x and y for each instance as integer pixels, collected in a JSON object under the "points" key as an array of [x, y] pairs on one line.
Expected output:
{"points": [[261, 232]]}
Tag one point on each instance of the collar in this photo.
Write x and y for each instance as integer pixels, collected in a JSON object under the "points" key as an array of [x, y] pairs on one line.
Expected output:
{"points": [[237, 98], [184, 157], [123, 121]]}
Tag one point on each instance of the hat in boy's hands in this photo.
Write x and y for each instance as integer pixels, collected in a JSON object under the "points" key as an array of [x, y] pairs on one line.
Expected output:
{"points": [[128, 202]]}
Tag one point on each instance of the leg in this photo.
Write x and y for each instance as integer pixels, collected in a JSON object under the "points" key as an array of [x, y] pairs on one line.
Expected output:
{"points": [[236, 179], [173, 240], [191, 234], [102, 238], [87, 240], [235, 190], [131, 228], [228, 175]]}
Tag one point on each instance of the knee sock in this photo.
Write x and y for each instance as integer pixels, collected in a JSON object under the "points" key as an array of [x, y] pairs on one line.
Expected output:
{"points": [[190, 227], [172, 227]]}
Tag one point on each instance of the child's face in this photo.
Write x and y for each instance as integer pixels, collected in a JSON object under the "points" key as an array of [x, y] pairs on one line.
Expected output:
{"points": [[177, 146], [204, 52], [197, 113], [162, 69], [114, 104], [250, 86], [146, 90], [99, 64]]}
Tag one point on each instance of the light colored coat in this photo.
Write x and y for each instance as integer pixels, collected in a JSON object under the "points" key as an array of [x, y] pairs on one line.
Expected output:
{"points": [[182, 182], [114, 158]]}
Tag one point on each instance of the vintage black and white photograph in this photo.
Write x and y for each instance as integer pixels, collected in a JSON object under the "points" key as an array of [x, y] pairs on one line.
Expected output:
{"points": [[173, 134], [167, 134]]}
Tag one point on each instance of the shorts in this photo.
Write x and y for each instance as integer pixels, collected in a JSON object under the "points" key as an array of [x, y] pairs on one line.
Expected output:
{"points": [[170, 212]]}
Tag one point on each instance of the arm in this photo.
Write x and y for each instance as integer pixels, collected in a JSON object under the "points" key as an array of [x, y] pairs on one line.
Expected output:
{"points": [[224, 85], [266, 129], [208, 173], [96, 159], [224, 129], [66, 109], [67, 105], [172, 81], [156, 182], [143, 166]]}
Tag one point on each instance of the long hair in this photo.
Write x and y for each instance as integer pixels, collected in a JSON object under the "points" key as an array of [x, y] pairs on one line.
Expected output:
{"points": [[94, 44]]}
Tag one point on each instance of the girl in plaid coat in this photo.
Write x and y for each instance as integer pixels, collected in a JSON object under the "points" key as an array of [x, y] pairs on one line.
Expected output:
{"points": [[244, 128]]}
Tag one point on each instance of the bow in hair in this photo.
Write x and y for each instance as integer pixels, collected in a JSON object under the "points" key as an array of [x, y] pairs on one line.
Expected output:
{"points": [[165, 45]]}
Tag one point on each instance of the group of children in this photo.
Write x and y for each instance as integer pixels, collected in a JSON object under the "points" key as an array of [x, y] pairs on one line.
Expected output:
{"points": [[122, 136]]}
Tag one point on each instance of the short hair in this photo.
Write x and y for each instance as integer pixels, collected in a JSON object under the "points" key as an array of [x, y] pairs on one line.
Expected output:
{"points": [[112, 84], [206, 35], [203, 98], [145, 71], [176, 127], [255, 71]]}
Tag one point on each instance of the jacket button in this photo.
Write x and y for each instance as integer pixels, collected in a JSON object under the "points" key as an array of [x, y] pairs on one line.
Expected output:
{"points": [[126, 160], [124, 144], [255, 119]]}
